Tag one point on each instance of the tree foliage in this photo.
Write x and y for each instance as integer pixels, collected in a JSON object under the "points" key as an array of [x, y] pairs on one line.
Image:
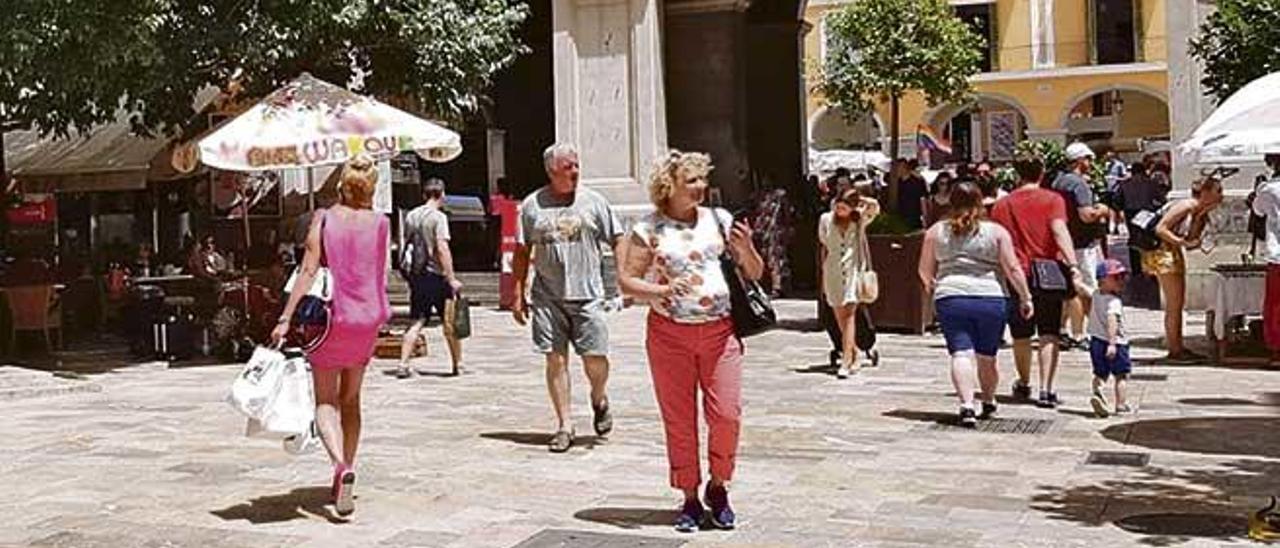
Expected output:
{"points": [[1238, 44], [881, 49], [75, 63]]}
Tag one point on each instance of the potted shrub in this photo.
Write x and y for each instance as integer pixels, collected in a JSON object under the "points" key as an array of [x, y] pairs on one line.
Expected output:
{"points": [[895, 256]]}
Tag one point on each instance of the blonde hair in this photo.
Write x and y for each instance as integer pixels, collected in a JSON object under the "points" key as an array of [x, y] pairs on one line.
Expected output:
{"points": [[359, 177], [670, 169]]}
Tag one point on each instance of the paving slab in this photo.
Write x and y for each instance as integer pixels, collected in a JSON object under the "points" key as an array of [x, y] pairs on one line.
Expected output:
{"points": [[153, 456]]}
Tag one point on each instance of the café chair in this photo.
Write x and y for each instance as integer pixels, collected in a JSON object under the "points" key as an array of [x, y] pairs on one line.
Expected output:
{"points": [[34, 308]]}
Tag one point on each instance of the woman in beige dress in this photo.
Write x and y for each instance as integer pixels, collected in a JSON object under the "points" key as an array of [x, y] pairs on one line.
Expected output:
{"points": [[842, 232]]}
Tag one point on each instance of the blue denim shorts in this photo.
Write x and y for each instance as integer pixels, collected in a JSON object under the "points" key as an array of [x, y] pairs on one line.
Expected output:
{"points": [[973, 323], [1103, 368]]}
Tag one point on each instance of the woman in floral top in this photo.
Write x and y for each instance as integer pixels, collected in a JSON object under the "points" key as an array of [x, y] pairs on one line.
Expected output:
{"points": [[672, 260]]}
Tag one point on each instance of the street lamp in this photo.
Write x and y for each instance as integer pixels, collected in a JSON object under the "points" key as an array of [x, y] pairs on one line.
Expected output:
{"points": [[1117, 102]]}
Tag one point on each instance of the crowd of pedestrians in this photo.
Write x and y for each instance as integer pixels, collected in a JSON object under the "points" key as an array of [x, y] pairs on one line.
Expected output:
{"points": [[991, 261]]}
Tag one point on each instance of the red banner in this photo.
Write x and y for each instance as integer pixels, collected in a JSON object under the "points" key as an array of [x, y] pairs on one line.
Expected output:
{"points": [[33, 213]]}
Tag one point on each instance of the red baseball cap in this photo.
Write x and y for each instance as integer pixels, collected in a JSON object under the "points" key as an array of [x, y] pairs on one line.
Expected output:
{"points": [[1111, 267]]}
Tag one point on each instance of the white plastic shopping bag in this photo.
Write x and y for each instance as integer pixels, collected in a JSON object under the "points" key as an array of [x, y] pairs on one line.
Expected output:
{"points": [[257, 382], [275, 392], [293, 407]]}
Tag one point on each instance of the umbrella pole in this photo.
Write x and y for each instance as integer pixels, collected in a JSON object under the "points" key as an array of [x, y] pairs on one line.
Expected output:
{"points": [[155, 221], [248, 243], [311, 192]]}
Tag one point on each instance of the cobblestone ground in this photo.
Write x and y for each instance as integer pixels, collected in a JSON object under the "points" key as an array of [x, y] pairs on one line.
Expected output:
{"points": [[147, 456]]}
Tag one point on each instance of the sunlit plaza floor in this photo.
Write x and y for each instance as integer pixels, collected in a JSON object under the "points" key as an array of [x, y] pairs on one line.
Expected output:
{"points": [[143, 455]]}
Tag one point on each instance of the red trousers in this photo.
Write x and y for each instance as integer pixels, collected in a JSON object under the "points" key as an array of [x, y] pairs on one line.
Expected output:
{"points": [[682, 359], [1271, 309]]}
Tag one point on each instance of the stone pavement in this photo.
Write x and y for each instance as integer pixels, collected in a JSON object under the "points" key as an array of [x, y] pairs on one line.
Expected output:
{"points": [[153, 457]]}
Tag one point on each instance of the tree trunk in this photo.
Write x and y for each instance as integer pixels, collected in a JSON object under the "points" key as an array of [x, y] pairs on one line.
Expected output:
{"points": [[4, 168], [895, 113]]}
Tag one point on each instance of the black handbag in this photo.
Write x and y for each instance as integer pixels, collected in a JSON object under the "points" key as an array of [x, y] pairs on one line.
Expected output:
{"points": [[1049, 276], [749, 305]]}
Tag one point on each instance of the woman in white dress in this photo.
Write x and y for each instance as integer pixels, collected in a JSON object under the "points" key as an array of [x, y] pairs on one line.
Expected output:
{"points": [[841, 232]]}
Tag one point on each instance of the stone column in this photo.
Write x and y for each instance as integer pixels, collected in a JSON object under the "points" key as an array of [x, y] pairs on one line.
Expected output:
{"points": [[707, 88], [609, 91], [1188, 105]]}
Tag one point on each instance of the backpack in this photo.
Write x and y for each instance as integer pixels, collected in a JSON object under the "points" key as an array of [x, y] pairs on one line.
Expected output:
{"points": [[407, 257], [413, 258], [1142, 230]]}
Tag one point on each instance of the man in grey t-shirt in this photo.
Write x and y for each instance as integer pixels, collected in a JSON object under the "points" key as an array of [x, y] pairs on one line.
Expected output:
{"points": [[562, 232], [427, 263], [1086, 220]]}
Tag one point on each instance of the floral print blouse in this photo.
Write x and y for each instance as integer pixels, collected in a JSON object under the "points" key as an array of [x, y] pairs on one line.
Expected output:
{"points": [[690, 251]]}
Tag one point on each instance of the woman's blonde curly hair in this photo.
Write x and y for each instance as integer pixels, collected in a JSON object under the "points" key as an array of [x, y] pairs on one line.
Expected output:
{"points": [[357, 181], [670, 169]]}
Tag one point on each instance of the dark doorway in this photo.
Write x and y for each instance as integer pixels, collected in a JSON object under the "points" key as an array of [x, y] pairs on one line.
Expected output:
{"points": [[961, 138], [1113, 27], [979, 19], [521, 105]]}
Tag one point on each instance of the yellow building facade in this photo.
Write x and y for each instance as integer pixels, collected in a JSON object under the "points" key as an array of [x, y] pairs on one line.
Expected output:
{"points": [[1066, 70]]}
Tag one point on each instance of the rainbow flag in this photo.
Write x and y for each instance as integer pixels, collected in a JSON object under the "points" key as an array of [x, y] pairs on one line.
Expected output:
{"points": [[926, 139]]}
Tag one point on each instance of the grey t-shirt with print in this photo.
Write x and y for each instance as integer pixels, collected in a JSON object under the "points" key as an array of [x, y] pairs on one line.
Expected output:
{"points": [[424, 227], [566, 235], [1076, 190]]}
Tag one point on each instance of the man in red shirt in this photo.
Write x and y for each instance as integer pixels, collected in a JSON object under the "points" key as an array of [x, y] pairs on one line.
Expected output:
{"points": [[1036, 217]]}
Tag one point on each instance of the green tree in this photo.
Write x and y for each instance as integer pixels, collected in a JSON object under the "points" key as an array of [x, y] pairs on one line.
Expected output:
{"points": [[68, 64], [1238, 44], [882, 49]]}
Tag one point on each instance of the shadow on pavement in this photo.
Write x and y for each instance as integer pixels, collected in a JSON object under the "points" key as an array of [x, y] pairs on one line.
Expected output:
{"points": [[422, 373], [541, 439], [822, 369], [1168, 506], [922, 416], [1235, 436], [300, 503], [805, 325], [1077, 413], [629, 518], [1268, 399]]}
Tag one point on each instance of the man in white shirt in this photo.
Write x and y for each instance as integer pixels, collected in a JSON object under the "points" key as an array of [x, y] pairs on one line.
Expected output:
{"points": [[1266, 203]]}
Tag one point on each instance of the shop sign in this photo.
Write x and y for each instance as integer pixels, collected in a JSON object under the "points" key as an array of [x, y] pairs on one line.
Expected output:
{"points": [[328, 151], [33, 212], [186, 157]]}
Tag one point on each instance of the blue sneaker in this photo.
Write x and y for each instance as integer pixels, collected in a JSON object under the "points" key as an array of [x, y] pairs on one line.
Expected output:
{"points": [[722, 516], [691, 516]]}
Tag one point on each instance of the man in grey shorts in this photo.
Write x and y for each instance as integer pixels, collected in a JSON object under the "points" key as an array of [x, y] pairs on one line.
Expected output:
{"points": [[562, 231]]}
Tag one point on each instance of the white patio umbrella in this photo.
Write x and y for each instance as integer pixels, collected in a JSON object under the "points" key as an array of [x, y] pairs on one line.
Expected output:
{"points": [[826, 162], [1246, 124], [309, 122]]}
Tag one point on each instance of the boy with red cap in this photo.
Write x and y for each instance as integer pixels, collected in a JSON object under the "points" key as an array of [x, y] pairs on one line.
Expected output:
{"points": [[1108, 338]]}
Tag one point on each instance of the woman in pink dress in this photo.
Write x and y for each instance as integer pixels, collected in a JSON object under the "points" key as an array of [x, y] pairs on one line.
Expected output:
{"points": [[351, 239]]}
